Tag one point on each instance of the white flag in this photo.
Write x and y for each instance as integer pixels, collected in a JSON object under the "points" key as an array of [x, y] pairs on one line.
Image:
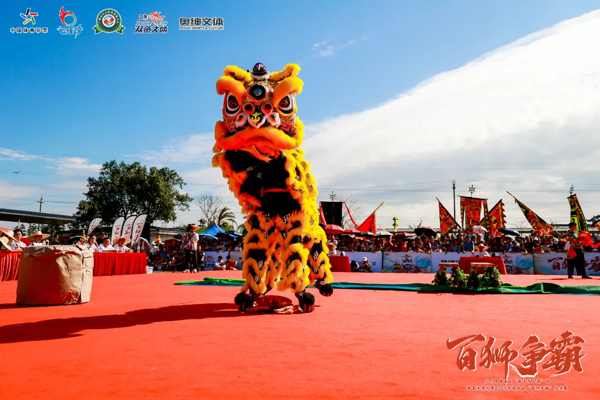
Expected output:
{"points": [[95, 222], [138, 226], [116, 230], [128, 226]]}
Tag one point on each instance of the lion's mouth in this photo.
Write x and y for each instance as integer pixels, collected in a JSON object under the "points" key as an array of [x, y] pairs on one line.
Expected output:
{"points": [[259, 120]]}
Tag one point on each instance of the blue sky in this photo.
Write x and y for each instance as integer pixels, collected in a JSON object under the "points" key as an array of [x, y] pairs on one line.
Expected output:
{"points": [[109, 96]]}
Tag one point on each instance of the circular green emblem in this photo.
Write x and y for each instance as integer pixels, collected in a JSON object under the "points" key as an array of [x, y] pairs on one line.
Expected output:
{"points": [[109, 21]]}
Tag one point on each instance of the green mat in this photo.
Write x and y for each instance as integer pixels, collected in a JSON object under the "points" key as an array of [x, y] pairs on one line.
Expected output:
{"points": [[506, 288]]}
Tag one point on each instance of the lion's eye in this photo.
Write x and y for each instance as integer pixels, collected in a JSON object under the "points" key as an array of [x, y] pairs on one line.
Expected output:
{"points": [[258, 92], [286, 105], [232, 107]]}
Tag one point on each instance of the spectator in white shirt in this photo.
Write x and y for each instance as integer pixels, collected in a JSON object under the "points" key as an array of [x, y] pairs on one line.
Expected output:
{"points": [[91, 243], [220, 264], [4, 244], [14, 239], [190, 246], [481, 250], [121, 244], [105, 246], [37, 239]]}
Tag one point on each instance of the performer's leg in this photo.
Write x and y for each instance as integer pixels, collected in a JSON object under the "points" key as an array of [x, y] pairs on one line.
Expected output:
{"points": [[188, 260], [194, 261], [570, 267], [318, 261], [254, 261], [294, 270], [581, 264]]}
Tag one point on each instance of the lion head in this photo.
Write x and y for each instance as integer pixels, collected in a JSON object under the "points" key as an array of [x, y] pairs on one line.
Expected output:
{"points": [[259, 111]]}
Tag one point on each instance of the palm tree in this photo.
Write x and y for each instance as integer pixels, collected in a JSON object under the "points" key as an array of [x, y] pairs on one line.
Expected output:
{"points": [[226, 216], [241, 229]]}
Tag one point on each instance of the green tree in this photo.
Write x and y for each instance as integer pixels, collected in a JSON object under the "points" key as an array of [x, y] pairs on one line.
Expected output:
{"points": [[209, 205], [128, 189], [52, 228], [226, 219]]}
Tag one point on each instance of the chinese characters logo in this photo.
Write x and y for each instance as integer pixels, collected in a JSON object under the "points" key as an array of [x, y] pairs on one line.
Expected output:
{"points": [[28, 16], [108, 21], [201, 24], [562, 355], [151, 23], [68, 20]]}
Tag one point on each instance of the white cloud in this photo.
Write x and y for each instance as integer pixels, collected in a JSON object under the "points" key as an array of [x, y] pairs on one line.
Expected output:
{"points": [[12, 193], [196, 148], [16, 155], [522, 118], [75, 166], [328, 48], [63, 165]]}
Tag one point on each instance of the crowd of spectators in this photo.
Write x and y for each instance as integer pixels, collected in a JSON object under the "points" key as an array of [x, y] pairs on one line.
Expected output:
{"points": [[170, 256], [461, 242]]}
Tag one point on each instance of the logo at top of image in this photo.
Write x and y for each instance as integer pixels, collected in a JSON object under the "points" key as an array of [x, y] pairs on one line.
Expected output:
{"points": [[201, 24], [151, 23], [68, 20], [109, 21], [28, 18]]}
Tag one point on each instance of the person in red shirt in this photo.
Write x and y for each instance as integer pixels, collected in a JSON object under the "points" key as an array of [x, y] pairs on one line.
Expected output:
{"points": [[230, 264]]}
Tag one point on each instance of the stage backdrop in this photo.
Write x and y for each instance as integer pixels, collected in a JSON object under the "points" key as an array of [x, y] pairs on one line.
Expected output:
{"points": [[516, 263], [211, 257], [374, 259], [556, 263], [406, 262]]}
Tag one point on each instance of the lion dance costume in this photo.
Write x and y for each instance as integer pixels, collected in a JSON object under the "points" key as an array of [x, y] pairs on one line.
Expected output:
{"points": [[258, 149]]}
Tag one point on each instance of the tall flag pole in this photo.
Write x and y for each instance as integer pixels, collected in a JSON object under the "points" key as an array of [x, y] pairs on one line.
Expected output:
{"points": [[577, 214], [447, 222], [536, 222], [395, 219]]}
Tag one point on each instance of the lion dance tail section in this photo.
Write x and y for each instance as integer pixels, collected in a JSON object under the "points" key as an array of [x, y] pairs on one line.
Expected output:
{"points": [[258, 150]]}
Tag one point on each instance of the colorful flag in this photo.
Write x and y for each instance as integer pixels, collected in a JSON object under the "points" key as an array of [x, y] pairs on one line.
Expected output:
{"points": [[369, 225], [577, 214], [447, 222], [536, 222], [470, 210], [496, 219]]}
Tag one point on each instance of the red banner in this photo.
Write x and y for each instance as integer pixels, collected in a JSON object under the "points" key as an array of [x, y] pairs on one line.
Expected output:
{"points": [[321, 215], [369, 225], [536, 222], [470, 210], [447, 222], [496, 219]]}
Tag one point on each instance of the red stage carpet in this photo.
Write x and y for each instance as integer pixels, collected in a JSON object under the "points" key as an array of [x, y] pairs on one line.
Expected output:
{"points": [[142, 337]]}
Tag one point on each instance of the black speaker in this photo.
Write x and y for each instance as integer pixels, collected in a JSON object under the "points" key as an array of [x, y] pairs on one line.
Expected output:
{"points": [[332, 211]]}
